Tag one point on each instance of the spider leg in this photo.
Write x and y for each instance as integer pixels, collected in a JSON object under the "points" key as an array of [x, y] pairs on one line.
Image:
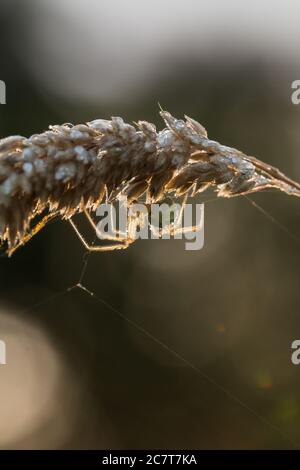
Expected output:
{"points": [[117, 246], [103, 235], [134, 221], [189, 229], [25, 238], [176, 226], [179, 229]]}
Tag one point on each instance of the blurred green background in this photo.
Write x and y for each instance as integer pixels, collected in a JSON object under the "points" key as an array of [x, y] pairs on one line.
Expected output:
{"points": [[77, 375]]}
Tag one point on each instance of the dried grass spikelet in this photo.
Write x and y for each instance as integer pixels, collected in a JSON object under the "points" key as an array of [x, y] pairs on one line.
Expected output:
{"points": [[68, 168]]}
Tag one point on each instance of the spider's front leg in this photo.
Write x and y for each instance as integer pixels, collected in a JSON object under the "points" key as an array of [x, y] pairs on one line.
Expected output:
{"points": [[174, 228], [177, 228]]}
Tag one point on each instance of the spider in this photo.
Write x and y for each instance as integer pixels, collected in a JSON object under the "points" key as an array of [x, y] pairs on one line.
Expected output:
{"points": [[137, 219]]}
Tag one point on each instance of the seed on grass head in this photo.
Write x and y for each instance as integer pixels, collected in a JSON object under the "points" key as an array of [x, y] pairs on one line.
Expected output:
{"points": [[69, 169]]}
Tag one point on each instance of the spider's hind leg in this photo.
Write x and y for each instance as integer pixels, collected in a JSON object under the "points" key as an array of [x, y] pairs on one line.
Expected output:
{"points": [[177, 228], [116, 246], [122, 239]]}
